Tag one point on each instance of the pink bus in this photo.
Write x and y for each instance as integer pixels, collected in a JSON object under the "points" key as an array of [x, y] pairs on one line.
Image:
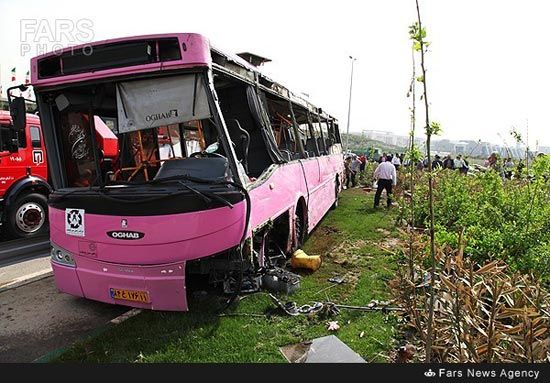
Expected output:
{"points": [[221, 172]]}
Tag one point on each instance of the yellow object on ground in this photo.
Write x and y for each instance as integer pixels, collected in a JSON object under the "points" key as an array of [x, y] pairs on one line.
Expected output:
{"points": [[300, 260]]}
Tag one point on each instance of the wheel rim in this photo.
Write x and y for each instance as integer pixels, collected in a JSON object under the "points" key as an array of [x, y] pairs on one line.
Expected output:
{"points": [[30, 217]]}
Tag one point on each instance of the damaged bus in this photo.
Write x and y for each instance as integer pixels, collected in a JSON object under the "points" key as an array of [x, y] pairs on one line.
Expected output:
{"points": [[220, 173]]}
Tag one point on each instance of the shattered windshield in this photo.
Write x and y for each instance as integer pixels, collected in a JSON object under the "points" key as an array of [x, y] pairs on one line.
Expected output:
{"points": [[126, 131]]}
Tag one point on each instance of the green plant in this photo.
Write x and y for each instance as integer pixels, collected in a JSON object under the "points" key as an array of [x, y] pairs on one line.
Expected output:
{"points": [[508, 220]]}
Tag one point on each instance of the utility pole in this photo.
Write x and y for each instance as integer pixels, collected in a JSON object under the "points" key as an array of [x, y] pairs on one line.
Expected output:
{"points": [[349, 105]]}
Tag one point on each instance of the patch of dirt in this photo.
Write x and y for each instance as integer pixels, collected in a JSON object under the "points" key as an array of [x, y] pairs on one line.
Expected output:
{"points": [[323, 240], [347, 253], [391, 243]]}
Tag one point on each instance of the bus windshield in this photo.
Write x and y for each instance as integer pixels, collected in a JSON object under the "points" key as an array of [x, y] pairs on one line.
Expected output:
{"points": [[126, 131]]}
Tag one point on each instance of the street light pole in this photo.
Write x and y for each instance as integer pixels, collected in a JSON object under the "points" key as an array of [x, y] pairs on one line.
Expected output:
{"points": [[349, 105]]}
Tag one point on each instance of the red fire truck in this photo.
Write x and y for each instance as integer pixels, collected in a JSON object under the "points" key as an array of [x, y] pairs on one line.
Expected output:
{"points": [[24, 186]]}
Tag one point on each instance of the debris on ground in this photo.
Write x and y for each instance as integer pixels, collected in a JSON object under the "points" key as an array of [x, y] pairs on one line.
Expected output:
{"points": [[300, 260], [328, 349], [333, 326], [337, 280], [330, 309], [404, 354], [280, 281], [291, 308]]}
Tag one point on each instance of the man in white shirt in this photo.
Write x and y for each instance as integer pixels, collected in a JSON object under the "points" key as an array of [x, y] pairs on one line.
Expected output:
{"points": [[386, 177], [396, 161]]}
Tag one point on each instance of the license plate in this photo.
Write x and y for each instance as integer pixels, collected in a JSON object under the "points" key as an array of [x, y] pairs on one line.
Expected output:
{"points": [[130, 295]]}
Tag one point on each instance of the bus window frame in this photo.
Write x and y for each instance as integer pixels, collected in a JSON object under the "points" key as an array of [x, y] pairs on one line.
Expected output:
{"points": [[297, 131]]}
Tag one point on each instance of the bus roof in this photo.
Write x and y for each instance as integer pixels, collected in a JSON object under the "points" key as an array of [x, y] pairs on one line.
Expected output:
{"points": [[149, 53]]}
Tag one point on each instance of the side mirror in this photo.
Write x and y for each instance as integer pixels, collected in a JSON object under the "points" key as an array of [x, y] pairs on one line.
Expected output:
{"points": [[18, 113]]}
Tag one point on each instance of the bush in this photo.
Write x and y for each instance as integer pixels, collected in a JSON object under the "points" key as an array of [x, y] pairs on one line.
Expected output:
{"points": [[507, 220]]}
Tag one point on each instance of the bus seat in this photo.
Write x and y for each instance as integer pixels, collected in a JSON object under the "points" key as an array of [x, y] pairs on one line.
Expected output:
{"points": [[241, 138], [215, 169]]}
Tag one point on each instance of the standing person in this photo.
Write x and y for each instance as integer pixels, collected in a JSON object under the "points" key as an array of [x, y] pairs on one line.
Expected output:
{"points": [[437, 163], [491, 161], [382, 158], [448, 163], [347, 170], [363, 165], [465, 166], [396, 161], [386, 178], [508, 167], [458, 163], [355, 166]]}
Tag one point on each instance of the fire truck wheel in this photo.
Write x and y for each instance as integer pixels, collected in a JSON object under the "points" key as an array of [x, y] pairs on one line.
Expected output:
{"points": [[28, 216]]}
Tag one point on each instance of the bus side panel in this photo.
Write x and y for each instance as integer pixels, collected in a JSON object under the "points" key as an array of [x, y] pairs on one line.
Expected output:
{"points": [[315, 191], [277, 194], [324, 196]]}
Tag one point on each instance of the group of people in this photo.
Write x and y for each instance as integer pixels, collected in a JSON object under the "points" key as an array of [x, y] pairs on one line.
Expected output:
{"points": [[397, 160], [353, 165], [385, 174], [459, 163]]}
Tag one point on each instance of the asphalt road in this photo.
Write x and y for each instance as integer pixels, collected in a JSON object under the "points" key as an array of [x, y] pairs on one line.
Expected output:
{"points": [[35, 319]]}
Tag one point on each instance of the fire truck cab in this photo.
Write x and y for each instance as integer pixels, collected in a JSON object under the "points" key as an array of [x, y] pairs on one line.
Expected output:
{"points": [[24, 187]]}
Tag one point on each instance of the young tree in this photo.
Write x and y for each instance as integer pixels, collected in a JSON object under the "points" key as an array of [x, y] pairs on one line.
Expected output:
{"points": [[418, 34]]}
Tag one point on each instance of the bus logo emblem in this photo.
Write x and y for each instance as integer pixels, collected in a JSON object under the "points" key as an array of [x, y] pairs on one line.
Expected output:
{"points": [[74, 222], [37, 157], [124, 223], [126, 235]]}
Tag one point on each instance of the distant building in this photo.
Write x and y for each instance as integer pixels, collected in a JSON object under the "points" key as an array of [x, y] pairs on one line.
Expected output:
{"points": [[468, 148], [388, 138], [460, 147]]}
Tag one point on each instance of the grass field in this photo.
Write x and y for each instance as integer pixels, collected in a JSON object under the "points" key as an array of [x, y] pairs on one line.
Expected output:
{"points": [[347, 239]]}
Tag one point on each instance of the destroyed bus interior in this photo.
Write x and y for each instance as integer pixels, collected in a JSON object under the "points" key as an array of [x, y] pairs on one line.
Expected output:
{"points": [[266, 128], [131, 156]]}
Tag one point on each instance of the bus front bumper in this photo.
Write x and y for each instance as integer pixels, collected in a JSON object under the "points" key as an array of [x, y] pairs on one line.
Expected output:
{"points": [[155, 287]]}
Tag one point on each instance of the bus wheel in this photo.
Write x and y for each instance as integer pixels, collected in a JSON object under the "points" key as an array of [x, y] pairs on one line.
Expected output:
{"points": [[28, 216]]}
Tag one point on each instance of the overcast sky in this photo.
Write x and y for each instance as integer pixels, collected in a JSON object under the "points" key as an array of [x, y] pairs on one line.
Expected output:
{"points": [[488, 66]]}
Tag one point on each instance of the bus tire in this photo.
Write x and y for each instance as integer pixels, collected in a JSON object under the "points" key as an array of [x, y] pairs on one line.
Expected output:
{"points": [[28, 216]]}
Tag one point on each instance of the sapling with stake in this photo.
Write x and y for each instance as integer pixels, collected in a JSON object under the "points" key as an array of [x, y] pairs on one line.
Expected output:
{"points": [[418, 34]]}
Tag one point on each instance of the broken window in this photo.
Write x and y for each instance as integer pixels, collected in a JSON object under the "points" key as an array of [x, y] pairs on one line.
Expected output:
{"points": [[306, 129], [283, 128], [139, 144]]}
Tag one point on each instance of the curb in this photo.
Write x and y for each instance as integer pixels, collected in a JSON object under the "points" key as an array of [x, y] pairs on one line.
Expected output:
{"points": [[27, 279], [50, 356]]}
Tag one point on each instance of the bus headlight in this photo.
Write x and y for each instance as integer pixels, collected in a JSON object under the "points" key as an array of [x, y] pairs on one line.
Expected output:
{"points": [[63, 257]]}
